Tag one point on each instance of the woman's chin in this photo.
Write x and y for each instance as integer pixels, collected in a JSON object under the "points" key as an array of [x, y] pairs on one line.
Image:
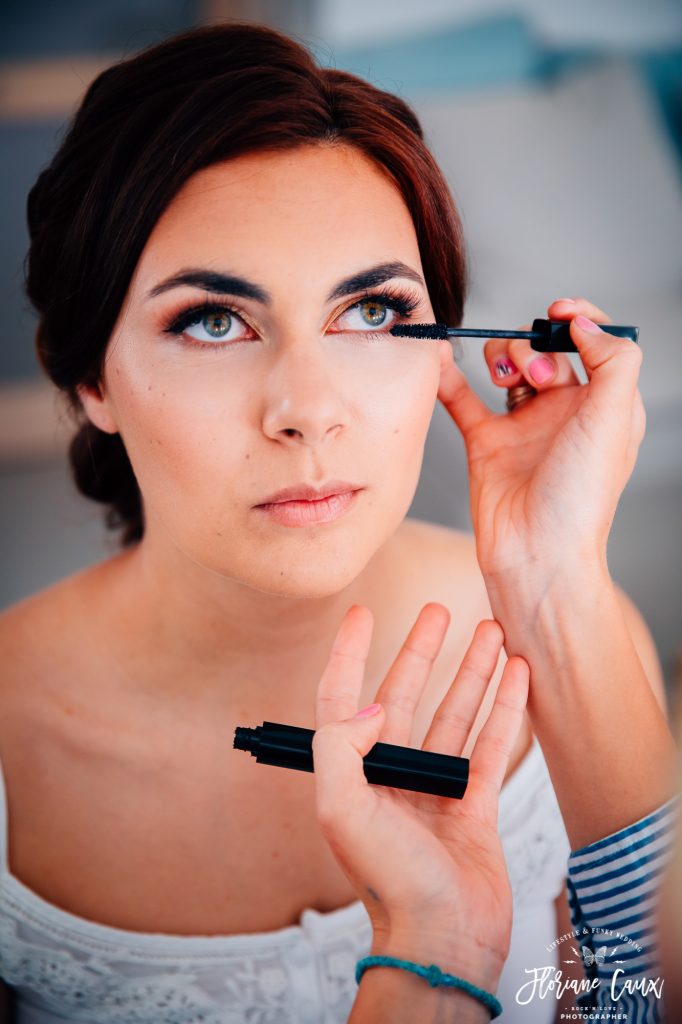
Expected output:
{"points": [[304, 582], [316, 574], [317, 565]]}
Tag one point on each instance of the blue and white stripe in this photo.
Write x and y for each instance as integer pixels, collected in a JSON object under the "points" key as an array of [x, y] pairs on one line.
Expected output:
{"points": [[613, 896]]}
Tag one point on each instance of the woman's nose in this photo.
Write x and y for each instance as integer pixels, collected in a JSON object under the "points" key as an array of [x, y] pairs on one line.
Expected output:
{"points": [[303, 402]]}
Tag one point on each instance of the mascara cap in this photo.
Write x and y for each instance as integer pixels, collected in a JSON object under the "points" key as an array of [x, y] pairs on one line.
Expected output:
{"points": [[556, 334]]}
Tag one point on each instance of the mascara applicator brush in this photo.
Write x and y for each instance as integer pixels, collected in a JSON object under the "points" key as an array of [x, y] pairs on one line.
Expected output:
{"points": [[545, 335]]}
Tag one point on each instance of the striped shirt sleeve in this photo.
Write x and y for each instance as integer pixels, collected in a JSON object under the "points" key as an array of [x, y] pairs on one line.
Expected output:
{"points": [[613, 894]]}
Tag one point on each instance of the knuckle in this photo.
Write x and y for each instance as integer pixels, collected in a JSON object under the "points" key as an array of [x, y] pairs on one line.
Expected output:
{"points": [[340, 654], [405, 703], [337, 697], [497, 744], [510, 705], [454, 719], [476, 666], [420, 652]]}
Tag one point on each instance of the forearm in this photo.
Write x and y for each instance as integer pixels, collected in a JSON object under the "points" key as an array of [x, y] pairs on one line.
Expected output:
{"points": [[607, 744], [392, 995]]}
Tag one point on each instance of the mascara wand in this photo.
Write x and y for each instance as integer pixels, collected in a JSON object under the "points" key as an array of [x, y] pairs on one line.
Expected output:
{"points": [[545, 335]]}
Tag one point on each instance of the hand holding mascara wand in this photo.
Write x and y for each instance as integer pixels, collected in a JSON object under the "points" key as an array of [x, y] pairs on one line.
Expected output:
{"points": [[544, 336], [544, 481]]}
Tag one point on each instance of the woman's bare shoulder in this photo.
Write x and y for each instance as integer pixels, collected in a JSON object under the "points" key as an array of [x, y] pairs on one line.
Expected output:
{"points": [[38, 632]]}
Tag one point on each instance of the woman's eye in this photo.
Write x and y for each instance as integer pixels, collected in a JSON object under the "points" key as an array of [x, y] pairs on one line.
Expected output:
{"points": [[215, 326], [209, 325], [371, 314]]}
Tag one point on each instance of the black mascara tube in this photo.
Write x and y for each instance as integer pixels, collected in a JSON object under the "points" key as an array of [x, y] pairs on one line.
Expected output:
{"points": [[386, 764]]}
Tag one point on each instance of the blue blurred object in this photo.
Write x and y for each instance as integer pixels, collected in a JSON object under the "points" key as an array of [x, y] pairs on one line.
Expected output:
{"points": [[663, 72], [485, 54], [497, 52]]}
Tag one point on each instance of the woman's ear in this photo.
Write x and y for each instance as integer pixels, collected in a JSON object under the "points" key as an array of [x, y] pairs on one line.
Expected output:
{"points": [[97, 408]]}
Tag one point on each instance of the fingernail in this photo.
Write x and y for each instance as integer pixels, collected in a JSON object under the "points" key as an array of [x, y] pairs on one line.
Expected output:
{"points": [[588, 325], [541, 369], [563, 300], [505, 368], [371, 709]]}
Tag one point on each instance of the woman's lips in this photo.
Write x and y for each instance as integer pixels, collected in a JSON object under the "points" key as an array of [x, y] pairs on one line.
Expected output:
{"points": [[310, 512]]}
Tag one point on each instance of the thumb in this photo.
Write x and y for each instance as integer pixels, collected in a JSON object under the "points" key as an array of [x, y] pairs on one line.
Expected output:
{"points": [[338, 750], [611, 363]]}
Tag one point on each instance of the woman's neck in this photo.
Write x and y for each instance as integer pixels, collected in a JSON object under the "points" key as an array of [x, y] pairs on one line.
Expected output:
{"points": [[186, 631]]}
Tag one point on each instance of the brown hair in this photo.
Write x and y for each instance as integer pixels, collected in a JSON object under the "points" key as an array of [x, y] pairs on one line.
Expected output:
{"points": [[148, 123]]}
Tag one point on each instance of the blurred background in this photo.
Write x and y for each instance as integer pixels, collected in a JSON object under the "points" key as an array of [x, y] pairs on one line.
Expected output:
{"points": [[559, 128]]}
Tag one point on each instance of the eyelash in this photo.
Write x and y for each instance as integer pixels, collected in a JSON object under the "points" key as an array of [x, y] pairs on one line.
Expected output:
{"points": [[401, 301]]}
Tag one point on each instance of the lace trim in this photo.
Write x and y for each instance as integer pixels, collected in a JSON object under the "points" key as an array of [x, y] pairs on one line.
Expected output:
{"points": [[272, 987]]}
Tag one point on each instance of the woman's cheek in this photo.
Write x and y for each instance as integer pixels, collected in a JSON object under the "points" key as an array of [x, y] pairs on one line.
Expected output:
{"points": [[184, 450], [393, 441], [402, 407]]}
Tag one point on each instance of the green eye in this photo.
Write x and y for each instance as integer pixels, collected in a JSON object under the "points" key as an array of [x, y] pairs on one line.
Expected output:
{"points": [[379, 311], [222, 328], [376, 312]]}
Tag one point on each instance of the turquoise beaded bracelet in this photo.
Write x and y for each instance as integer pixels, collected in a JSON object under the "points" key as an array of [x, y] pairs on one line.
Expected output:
{"points": [[434, 976]]}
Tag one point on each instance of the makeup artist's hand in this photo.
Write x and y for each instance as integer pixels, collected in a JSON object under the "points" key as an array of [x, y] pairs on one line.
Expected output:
{"points": [[545, 479], [423, 865]]}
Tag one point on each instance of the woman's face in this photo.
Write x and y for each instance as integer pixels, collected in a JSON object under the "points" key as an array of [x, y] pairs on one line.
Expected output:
{"points": [[297, 383]]}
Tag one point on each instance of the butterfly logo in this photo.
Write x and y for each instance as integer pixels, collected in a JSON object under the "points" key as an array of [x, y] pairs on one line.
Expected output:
{"points": [[588, 957]]}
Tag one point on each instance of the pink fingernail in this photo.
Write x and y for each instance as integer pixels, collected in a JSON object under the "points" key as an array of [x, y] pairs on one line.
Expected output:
{"points": [[563, 300], [541, 369], [505, 368], [370, 710], [588, 325]]}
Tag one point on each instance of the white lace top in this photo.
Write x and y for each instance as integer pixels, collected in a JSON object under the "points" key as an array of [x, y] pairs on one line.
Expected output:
{"points": [[64, 968]]}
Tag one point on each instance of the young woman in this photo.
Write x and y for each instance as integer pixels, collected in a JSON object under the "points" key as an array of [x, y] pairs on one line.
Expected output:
{"points": [[218, 251]]}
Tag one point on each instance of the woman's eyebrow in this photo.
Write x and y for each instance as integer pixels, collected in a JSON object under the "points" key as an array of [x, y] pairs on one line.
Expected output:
{"points": [[232, 284]]}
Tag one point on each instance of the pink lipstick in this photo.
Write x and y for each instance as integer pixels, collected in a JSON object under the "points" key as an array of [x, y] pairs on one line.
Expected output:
{"points": [[305, 505]]}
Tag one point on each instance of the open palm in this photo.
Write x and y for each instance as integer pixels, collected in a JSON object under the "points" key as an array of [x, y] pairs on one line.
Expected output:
{"points": [[414, 856]]}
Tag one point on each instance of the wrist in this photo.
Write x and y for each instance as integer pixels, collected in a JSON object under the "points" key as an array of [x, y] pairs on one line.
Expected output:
{"points": [[461, 954], [523, 585]]}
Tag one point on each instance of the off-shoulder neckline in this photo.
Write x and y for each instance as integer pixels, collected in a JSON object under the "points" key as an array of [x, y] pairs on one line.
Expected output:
{"points": [[72, 926]]}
